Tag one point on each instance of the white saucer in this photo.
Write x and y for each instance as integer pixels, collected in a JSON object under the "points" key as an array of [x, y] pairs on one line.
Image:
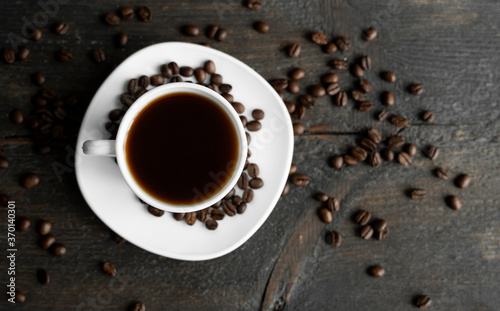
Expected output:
{"points": [[106, 192]]}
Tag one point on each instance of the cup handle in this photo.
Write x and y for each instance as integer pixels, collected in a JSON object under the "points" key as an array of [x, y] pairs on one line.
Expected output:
{"points": [[100, 148]]}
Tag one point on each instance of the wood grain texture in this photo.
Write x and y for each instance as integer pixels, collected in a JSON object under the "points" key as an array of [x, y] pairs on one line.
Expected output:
{"points": [[450, 46]]}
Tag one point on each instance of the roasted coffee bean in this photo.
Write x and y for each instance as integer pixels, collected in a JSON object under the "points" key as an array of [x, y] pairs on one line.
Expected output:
{"points": [[127, 13], [71, 100], [418, 194], [155, 211], [388, 98], [243, 181], [115, 114], [367, 232], [175, 79], [48, 94], [218, 214], [258, 114], [112, 19], [330, 77], [118, 239], [261, 27], [203, 215], [121, 39], [62, 28], [44, 227], [108, 269], [340, 99], [374, 159], [388, 76], [253, 170], [339, 64], [462, 181], [404, 158], [230, 194], [343, 44], [30, 181], [38, 78], [333, 204], [58, 249], [349, 160], [256, 183], [379, 225], [454, 202], [286, 189], [381, 235], [254, 126], [337, 162], [144, 81], [332, 89], [243, 120], [179, 216], [359, 153], [221, 34], [362, 217], [37, 35], [298, 129], [4, 163], [423, 302], [428, 116], [382, 115], [376, 271], [16, 116], [307, 101], [294, 50], [23, 224], [145, 14], [190, 30], [322, 197], [157, 80], [442, 173], [254, 4], [229, 208], [58, 131], [370, 34], [375, 135], [241, 208], [334, 239], [317, 91], [201, 76], [186, 71], [64, 55], [411, 149], [166, 71], [247, 195], [238, 107], [301, 112], [190, 218], [293, 87], [358, 95], [396, 141], [319, 38], [236, 200], [330, 48], [43, 276], [300, 179], [325, 215], [217, 79], [211, 224], [416, 89], [249, 138], [365, 85], [365, 106], [211, 31], [357, 71], [127, 99], [47, 241], [99, 55], [139, 306], [399, 121], [20, 297], [297, 74], [366, 62], [23, 54], [174, 68], [368, 144], [433, 152], [293, 169]]}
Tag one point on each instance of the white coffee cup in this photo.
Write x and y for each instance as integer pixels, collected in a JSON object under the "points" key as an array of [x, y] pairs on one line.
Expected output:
{"points": [[117, 147]]}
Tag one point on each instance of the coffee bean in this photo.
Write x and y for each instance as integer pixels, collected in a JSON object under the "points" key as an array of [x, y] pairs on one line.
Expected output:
{"points": [[330, 48], [44, 227], [216, 79], [388, 98], [254, 126], [428, 116], [358, 95], [203, 215], [127, 99], [201, 76], [157, 80], [370, 34], [99, 55], [71, 100], [411, 149], [418, 194], [379, 225], [334, 239], [256, 183], [340, 99], [349, 160], [365, 106], [112, 19], [139, 306], [16, 116], [388, 76], [357, 71], [423, 302], [127, 13], [174, 68], [179, 216], [301, 111], [317, 91], [249, 138], [343, 44], [337, 162], [239, 108], [294, 50], [319, 38], [416, 89], [155, 211], [261, 27], [145, 14], [399, 121], [23, 224], [230, 194], [48, 94], [322, 197], [236, 200], [23, 54], [58, 249], [442, 173], [211, 224], [175, 79], [108, 269], [186, 71], [297, 74], [43, 276], [258, 114], [293, 169], [190, 218], [218, 214], [47, 241], [362, 217], [121, 39], [293, 87], [298, 129], [37, 34], [375, 135], [253, 170], [333, 204], [229, 208], [211, 31], [368, 144], [396, 141], [62, 28], [325, 215], [366, 62], [433, 152], [404, 158], [241, 208], [64, 55], [339, 64], [190, 30], [118, 239], [279, 84], [462, 181], [221, 34], [30, 181], [359, 153], [376, 271], [367, 232], [374, 159], [381, 235], [330, 77], [254, 4], [286, 189], [382, 115], [307, 101], [365, 85], [332, 89], [144, 81], [247, 195], [300, 179]]}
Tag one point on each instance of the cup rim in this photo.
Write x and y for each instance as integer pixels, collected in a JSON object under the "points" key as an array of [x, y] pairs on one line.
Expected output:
{"points": [[143, 102]]}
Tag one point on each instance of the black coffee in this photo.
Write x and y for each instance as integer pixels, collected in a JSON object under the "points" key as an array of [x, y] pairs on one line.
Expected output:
{"points": [[182, 148]]}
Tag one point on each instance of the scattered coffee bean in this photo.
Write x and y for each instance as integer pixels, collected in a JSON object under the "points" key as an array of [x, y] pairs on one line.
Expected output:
{"points": [[256, 183], [337, 162], [340, 99], [254, 4], [155, 211], [388, 76], [387, 154], [261, 27], [298, 129], [379, 225], [186, 71], [374, 159], [382, 115], [62, 28], [58, 249], [64, 55], [44, 227], [362, 217], [211, 31], [190, 218], [23, 224], [139, 306], [37, 34], [317, 91], [325, 215], [23, 54], [416, 89], [367, 232], [358, 95], [112, 19], [279, 84], [204, 214], [357, 71], [428, 116], [370, 34], [300, 179], [319, 38], [145, 14], [388, 98], [190, 30], [229, 208], [47, 241], [359, 153], [343, 44], [368, 144], [366, 62], [294, 50], [333, 89], [30, 181], [462, 181], [376, 271], [230, 194], [411, 149], [253, 170], [333, 204], [442, 173], [9, 55], [239, 108], [211, 224], [381, 235], [109, 269], [396, 141], [339, 64], [322, 197], [247, 195], [349, 160], [301, 111], [121, 39], [365, 85], [254, 126], [258, 114], [330, 77], [38, 78], [307, 101], [99, 55], [218, 214], [334, 239], [127, 13], [375, 135], [293, 169], [43, 276], [297, 74], [221, 34], [404, 158], [423, 302], [293, 87], [286, 189], [433, 152], [16, 116], [418, 194], [330, 48], [241, 208], [144, 81], [399, 121], [365, 106], [157, 80]]}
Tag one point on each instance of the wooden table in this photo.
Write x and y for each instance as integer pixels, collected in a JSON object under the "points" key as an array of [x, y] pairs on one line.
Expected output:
{"points": [[451, 47]]}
